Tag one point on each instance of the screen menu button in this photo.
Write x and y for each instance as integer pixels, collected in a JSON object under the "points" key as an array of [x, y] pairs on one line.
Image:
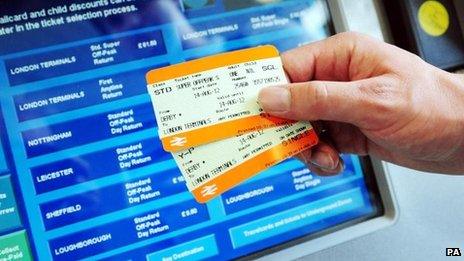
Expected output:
{"points": [[3, 166], [9, 216], [15, 246], [198, 249]]}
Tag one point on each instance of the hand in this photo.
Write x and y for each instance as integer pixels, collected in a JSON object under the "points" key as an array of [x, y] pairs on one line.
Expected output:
{"points": [[373, 99]]}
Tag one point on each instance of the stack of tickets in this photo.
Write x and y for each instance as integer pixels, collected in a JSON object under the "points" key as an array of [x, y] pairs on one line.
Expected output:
{"points": [[209, 119]]}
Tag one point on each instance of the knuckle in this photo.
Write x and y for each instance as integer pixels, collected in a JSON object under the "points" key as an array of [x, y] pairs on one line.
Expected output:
{"points": [[383, 98], [316, 97], [350, 35], [308, 99], [320, 93]]}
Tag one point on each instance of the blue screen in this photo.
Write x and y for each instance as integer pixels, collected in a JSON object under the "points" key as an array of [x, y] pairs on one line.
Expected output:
{"points": [[82, 172]]}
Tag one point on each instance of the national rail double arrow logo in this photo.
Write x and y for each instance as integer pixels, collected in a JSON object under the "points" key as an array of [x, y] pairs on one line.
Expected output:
{"points": [[209, 190], [178, 141]]}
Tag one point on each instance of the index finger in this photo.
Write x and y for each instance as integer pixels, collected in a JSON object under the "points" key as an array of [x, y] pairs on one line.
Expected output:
{"points": [[336, 58]]}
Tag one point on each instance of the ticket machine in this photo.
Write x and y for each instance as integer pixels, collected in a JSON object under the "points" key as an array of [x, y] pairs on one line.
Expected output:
{"points": [[82, 171]]}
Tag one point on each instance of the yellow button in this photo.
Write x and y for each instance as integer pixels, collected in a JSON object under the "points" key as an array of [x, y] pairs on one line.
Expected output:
{"points": [[433, 18]]}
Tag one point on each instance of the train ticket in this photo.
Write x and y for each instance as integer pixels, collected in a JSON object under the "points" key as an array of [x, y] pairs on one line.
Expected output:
{"points": [[215, 97], [214, 168]]}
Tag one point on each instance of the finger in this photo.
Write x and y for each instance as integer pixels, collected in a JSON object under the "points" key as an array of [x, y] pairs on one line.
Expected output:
{"points": [[327, 172], [334, 58], [322, 155], [347, 138], [318, 100]]}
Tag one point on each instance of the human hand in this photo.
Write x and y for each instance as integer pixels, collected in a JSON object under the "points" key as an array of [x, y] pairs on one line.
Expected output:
{"points": [[372, 99]]}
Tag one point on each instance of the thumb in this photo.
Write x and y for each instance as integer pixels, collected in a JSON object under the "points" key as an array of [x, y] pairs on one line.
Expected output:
{"points": [[318, 100]]}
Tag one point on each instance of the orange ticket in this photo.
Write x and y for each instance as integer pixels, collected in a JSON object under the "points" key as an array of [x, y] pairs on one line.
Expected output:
{"points": [[212, 169], [215, 97]]}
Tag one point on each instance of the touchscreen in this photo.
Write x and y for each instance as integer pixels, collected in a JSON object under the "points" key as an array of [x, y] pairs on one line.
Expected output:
{"points": [[82, 172]]}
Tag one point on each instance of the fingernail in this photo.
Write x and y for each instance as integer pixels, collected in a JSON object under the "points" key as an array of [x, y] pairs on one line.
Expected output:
{"points": [[323, 161], [340, 166], [275, 99]]}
